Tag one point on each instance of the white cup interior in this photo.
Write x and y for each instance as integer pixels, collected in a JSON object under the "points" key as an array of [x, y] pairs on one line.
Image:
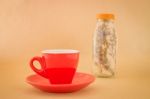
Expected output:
{"points": [[60, 51]]}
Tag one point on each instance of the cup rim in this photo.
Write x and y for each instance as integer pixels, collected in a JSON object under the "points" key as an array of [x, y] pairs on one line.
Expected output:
{"points": [[60, 51]]}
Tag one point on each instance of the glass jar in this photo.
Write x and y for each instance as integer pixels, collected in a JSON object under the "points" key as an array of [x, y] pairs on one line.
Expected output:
{"points": [[104, 46]]}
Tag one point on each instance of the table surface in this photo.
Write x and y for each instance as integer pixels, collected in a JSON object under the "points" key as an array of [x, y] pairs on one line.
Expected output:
{"points": [[128, 83]]}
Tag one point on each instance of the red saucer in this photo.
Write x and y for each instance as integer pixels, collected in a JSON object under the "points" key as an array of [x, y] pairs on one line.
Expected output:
{"points": [[81, 80]]}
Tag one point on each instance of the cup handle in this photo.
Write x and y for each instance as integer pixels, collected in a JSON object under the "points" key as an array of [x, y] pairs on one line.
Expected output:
{"points": [[42, 63]]}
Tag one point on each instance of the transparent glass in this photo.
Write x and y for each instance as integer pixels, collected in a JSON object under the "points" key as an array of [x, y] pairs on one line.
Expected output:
{"points": [[104, 48]]}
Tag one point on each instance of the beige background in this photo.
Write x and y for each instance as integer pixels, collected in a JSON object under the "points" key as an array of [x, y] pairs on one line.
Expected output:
{"points": [[29, 26]]}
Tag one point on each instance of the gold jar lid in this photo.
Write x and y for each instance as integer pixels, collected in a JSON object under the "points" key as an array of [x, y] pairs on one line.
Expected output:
{"points": [[105, 16]]}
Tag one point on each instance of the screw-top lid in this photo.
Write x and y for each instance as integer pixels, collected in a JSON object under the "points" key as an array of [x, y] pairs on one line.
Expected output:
{"points": [[105, 16]]}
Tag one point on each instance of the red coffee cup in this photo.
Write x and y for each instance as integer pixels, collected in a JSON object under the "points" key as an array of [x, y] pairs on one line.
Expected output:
{"points": [[59, 66]]}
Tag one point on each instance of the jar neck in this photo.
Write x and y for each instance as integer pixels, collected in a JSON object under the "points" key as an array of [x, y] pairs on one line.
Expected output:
{"points": [[112, 20], [105, 23]]}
